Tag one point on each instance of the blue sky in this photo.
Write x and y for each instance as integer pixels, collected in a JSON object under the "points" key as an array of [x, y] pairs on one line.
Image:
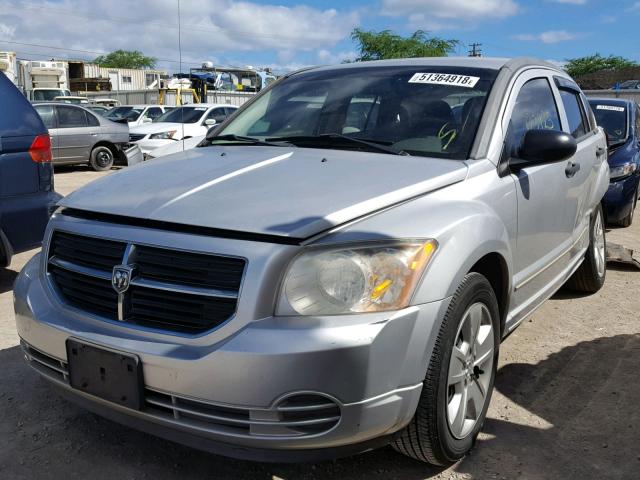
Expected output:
{"points": [[287, 34]]}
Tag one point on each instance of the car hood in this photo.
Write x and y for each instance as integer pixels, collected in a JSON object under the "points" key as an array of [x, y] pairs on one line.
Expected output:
{"points": [[622, 154], [289, 192], [148, 128]]}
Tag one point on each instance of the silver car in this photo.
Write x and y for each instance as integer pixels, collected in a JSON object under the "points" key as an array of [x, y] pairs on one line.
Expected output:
{"points": [[335, 271], [79, 136]]}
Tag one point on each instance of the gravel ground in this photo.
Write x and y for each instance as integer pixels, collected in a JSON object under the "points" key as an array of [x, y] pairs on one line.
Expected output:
{"points": [[565, 406]]}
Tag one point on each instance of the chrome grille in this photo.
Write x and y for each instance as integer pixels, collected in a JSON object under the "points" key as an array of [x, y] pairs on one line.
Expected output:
{"points": [[170, 290]]}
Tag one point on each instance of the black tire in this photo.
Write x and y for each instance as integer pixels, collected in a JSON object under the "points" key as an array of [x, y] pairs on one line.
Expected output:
{"points": [[628, 220], [588, 278], [428, 437], [101, 159]]}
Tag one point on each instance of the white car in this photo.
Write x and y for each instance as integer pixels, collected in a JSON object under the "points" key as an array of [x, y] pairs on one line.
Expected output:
{"points": [[180, 123], [137, 115], [176, 147]]}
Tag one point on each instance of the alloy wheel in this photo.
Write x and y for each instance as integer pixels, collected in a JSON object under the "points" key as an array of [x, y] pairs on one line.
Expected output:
{"points": [[599, 248], [470, 370]]}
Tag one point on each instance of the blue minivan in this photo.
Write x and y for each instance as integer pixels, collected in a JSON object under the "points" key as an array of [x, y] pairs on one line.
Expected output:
{"points": [[26, 174], [620, 118]]}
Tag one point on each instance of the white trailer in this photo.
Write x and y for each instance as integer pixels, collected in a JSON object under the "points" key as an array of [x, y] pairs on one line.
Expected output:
{"points": [[43, 81], [9, 66]]}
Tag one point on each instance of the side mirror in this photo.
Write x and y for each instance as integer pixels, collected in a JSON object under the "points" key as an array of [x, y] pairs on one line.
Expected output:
{"points": [[210, 122], [147, 120], [543, 146]]}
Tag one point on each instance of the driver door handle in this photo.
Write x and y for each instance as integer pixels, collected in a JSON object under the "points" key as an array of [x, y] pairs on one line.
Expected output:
{"points": [[601, 151], [572, 169]]}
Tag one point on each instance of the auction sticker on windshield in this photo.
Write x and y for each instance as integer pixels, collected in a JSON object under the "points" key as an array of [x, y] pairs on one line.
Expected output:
{"points": [[610, 107], [445, 79]]}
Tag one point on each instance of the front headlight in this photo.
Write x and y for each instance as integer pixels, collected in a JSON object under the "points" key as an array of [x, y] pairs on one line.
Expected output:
{"points": [[163, 135], [622, 170], [367, 278]]}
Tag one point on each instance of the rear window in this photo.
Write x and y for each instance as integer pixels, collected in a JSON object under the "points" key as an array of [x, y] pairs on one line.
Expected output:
{"points": [[613, 118], [15, 105], [47, 115]]}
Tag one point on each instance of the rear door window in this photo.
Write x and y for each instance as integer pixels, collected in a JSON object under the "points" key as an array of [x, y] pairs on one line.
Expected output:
{"points": [[92, 121], [47, 115], [70, 117], [575, 113]]}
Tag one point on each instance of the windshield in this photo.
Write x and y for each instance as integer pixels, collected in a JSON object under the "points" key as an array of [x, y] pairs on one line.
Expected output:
{"points": [[427, 111], [613, 118], [48, 95], [128, 112], [182, 115]]}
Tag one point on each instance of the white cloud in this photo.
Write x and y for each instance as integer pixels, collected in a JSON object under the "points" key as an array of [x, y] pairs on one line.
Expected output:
{"points": [[7, 31], [326, 57], [634, 7], [451, 9], [213, 30], [551, 36], [572, 2]]}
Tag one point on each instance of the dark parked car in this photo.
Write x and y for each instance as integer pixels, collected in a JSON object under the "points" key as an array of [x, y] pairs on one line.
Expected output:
{"points": [[621, 120], [26, 175], [80, 136]]}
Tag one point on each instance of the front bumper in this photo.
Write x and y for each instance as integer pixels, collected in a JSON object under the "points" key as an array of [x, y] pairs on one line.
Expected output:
{"points": [[619, 198], [372, 370], [148, 145]]}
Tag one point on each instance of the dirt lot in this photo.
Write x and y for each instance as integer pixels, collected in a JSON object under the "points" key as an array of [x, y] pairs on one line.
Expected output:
{"points": [[566, 405]]}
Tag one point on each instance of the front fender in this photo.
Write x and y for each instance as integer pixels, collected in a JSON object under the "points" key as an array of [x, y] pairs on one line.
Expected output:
{"points": [[466, 231]]}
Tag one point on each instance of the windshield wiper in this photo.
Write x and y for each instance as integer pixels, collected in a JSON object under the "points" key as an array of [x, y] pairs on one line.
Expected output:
{"points": [[243, 139], [336, 138]]}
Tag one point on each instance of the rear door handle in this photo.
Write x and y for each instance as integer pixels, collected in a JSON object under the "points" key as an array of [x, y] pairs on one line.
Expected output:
{"points": [[572, 169]]}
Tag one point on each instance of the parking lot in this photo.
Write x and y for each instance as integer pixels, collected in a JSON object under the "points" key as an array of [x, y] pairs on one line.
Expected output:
{"points": [[565, 404]]}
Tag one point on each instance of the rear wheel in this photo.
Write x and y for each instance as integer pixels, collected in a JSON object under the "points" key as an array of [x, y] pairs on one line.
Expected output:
{"points": [[590, 276], [459, 381], [101, 158]]}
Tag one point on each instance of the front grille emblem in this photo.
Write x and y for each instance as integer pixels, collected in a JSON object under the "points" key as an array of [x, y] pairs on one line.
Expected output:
{"points": [[121, 277]]}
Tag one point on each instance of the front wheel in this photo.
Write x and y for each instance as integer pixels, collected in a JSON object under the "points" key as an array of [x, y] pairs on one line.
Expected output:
{"points": [[459, 381], [590, 276], [101, 158], [628, 220]]}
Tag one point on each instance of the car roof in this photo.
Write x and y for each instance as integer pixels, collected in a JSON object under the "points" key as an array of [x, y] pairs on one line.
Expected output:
{"points": [[491, 63]]}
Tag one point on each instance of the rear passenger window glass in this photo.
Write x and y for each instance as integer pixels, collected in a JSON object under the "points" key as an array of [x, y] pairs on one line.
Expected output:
{"points": [[69, 117], [92, 121], [46, 113], [535, 109], [575, 115]]}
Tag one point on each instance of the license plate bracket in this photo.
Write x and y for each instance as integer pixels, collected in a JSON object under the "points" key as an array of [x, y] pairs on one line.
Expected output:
{"points": [[108, 374]]}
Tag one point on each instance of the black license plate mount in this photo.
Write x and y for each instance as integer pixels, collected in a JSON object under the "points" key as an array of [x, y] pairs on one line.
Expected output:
{"points": [[108, 374]]}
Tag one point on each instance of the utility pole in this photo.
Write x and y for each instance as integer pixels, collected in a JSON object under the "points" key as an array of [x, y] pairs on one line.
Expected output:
{"points": [[475, 51]]}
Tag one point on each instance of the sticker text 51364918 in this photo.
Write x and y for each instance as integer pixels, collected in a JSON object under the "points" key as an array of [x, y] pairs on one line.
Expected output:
{"points": [[452, 79]]}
